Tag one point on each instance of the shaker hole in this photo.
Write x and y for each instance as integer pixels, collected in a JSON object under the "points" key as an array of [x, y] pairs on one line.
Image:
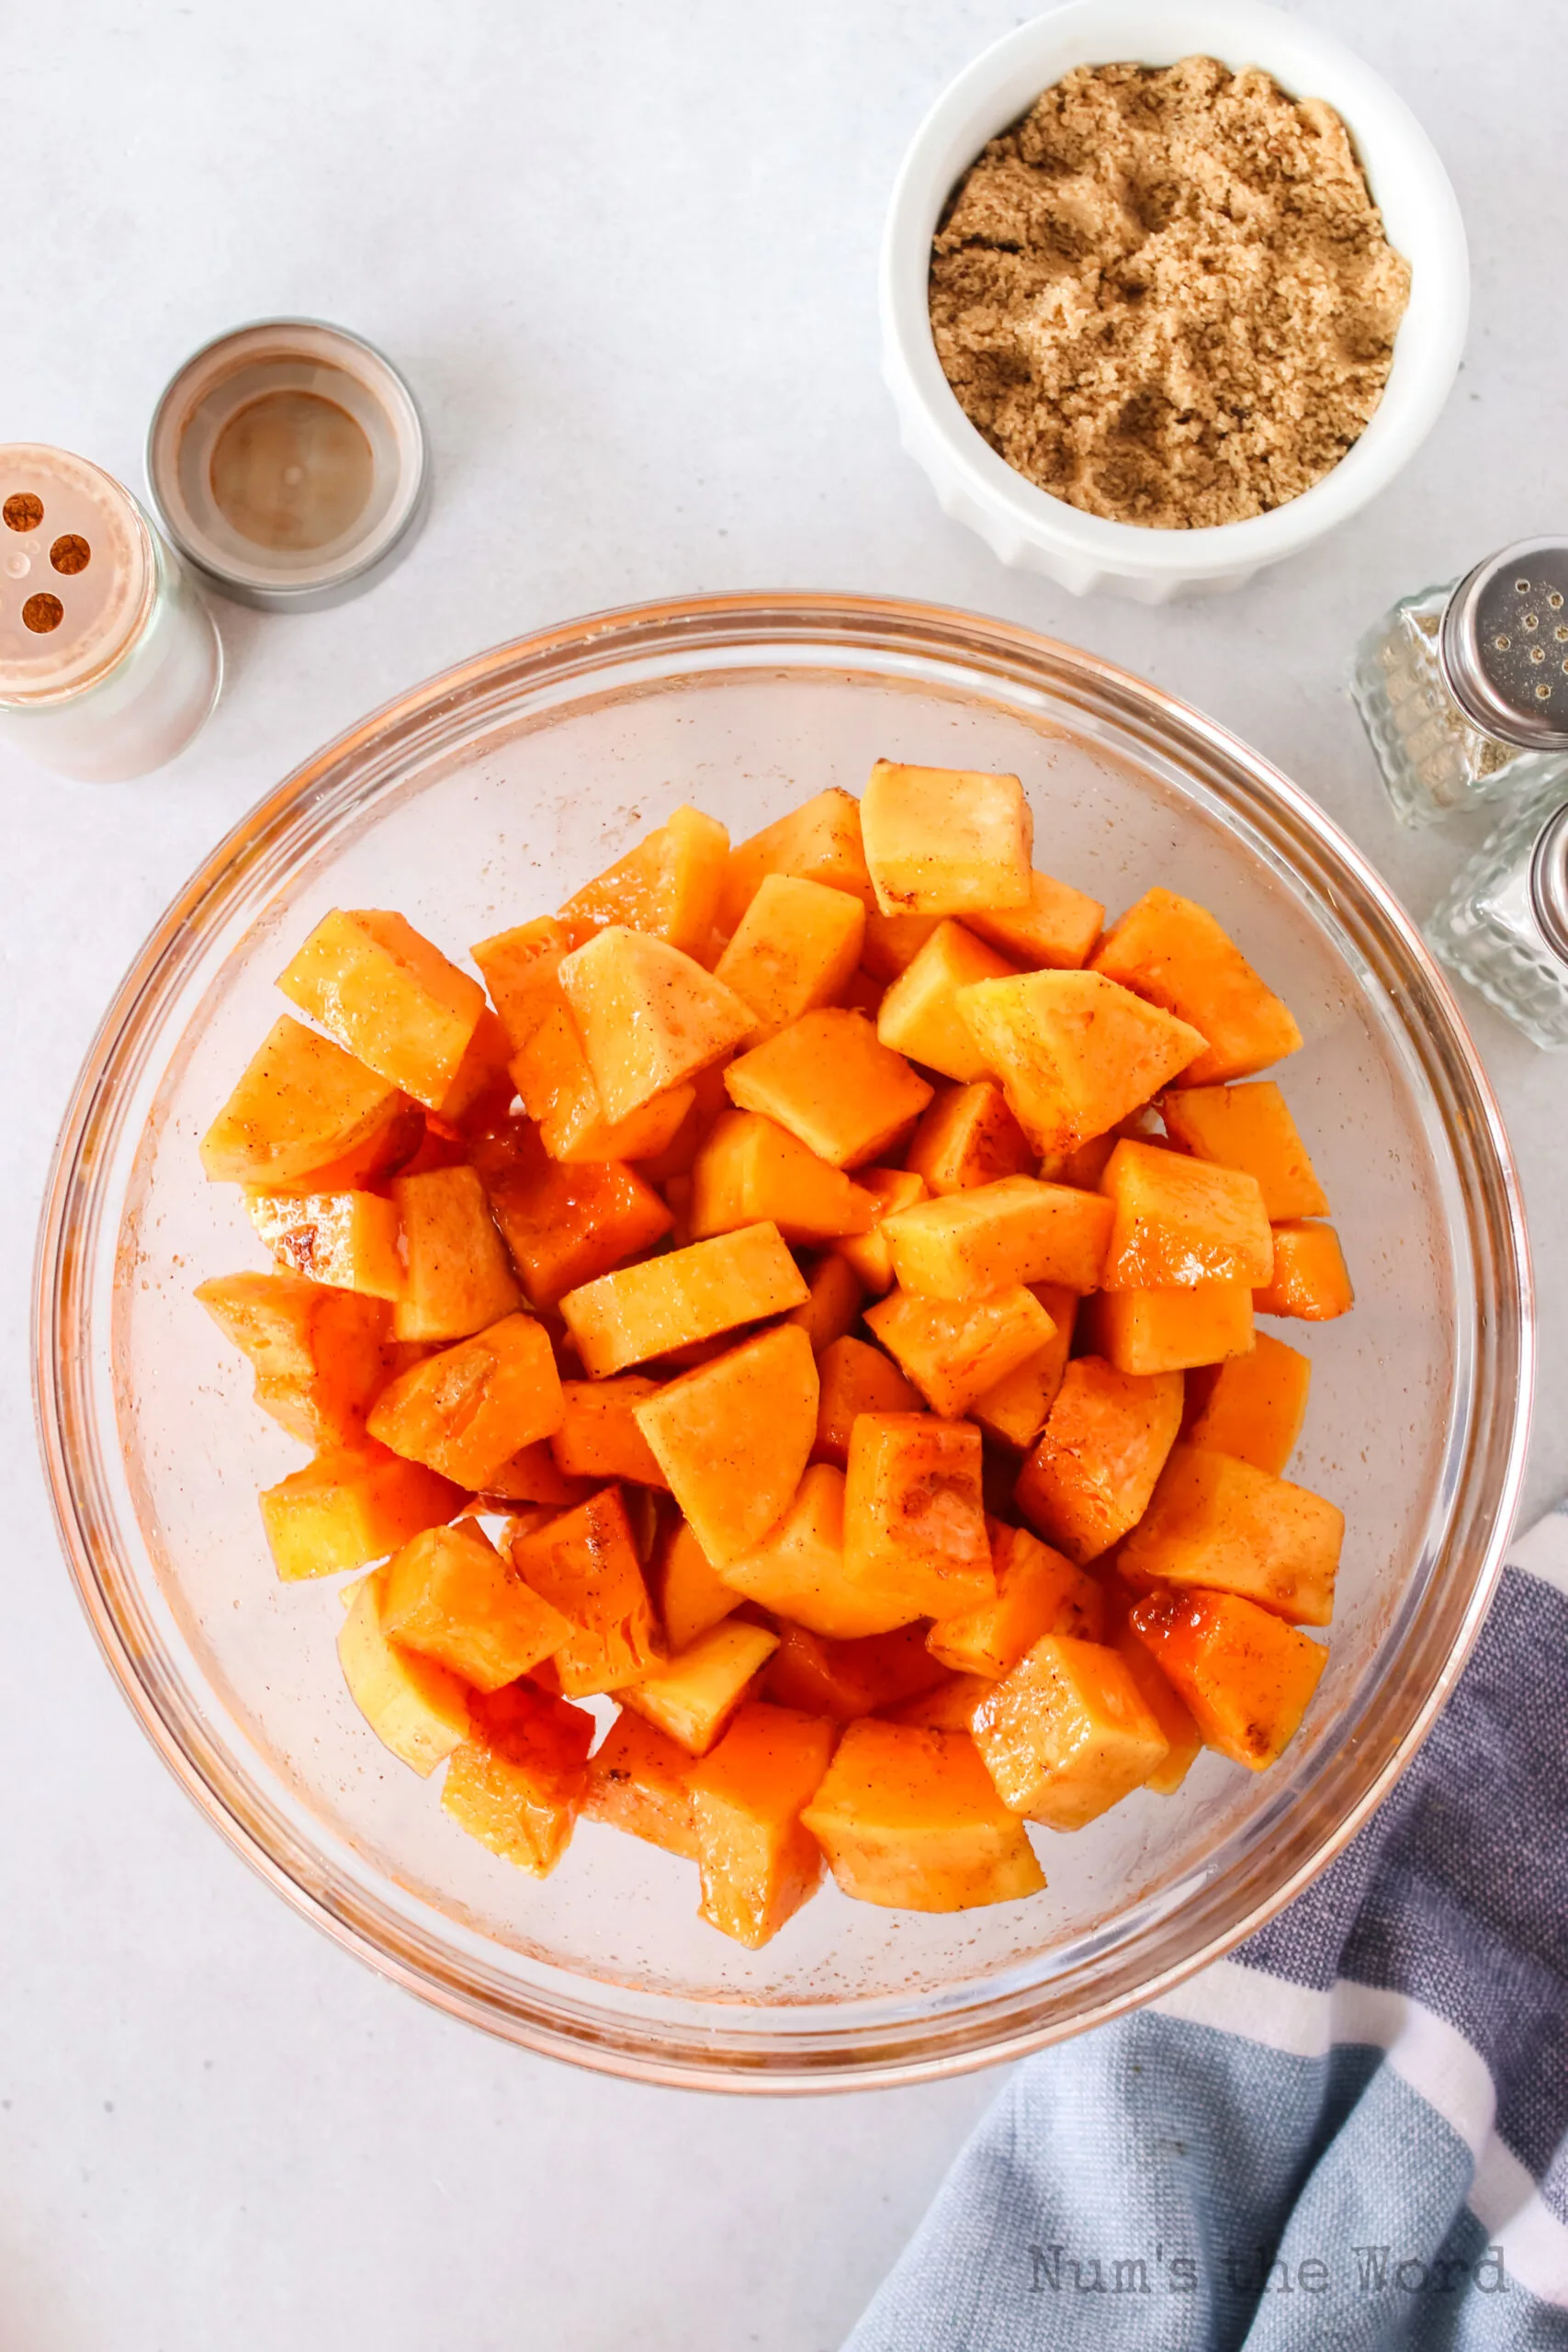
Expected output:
{"points": [[71, 553], [42, 613], [1532, 620], [1555, 599], [1538, 652], [1521, 587], [1502, 643], [1543, 694], [23, 511]]}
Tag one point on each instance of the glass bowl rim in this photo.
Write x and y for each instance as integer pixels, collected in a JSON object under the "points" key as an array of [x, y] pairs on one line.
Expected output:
{"points": [[1480, 1508]]}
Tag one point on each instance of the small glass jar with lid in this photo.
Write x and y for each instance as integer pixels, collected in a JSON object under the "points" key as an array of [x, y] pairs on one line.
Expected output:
{"points": [[1463, 689], [1503, 924]]}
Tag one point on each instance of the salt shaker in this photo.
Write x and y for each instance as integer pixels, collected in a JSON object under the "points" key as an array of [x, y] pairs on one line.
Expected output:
{"points": [[1503, 924], [109, 661], [1463, 689]]}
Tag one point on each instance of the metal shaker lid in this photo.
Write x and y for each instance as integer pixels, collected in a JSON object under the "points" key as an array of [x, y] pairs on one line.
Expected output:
{"points": [[287, 461], [1504, 645], [1548, 882]]}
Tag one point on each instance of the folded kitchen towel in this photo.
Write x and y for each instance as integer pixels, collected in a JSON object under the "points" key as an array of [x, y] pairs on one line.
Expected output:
{"points": [[1351, 2135]]}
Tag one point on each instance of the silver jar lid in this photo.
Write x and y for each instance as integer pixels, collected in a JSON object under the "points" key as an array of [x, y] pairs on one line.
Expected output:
{"points": [[287, 462], [1548, 882], [1504, 645]]}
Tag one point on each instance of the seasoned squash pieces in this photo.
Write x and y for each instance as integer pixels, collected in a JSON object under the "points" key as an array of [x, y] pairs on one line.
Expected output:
{"points": [[585, 1564], [668, 886], [795, 947], [1175, 955], [855, 1379], [1015, 1409], [691, 1696], [449, 1595], [832, 1304], [517, 1785], [798, 1569], [1246, 1677], [688, 1590], [1252, 1408], [758, 1864], [919, 1015], [844, 1679], [565, 1225], [649, 1017], [520, 967], [1249, 1127], [1073, 1053], [1220, 1523], [1170, 1330], [867, 1254], [694, 1294], [954, 1350], [820, 841], [347, 1240], [414, 1707], [306, 1117], [912, 1819], [733, 1437], [1310, 1279], [1056, 927], [831, 1083], [351, 1505], [467, 1410], [1016, 1230], [750, 1171], [318, 1354], [552, 1075], [1104, 1444], [382, 991], [457, 1275], [1177, 1221], [640, 1782], [1038, 1593], [598, 1436], [968, 1136], [1067, 1734], [939, 840], [914, 1540]]}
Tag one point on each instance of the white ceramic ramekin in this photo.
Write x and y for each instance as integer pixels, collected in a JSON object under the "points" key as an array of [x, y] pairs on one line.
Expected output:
{"points": [[1024, 525]]}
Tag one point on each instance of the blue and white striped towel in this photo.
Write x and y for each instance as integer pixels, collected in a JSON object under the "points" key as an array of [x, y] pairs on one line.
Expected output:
{"points": [[1352, 2135]]}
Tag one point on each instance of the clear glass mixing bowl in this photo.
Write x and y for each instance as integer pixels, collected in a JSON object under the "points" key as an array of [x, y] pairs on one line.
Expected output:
{"points": [[479, 799]]}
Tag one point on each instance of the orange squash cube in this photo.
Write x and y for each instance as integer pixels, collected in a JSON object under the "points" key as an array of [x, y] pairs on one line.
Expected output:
{"points": [[530, 1476], [1172, 952], [693, 1695], [669, 886], [1184, 1741], [1167, 1330], [565, 1224], [1177, 1221], [909, 1819], [1310, 1280], [1057, 926], [688, 1590], [1249, 1127], [318, 1354], [733, 1437], [414, 1707], [832, 1304], [518, 1786], [598, 1436], [1067, 1734], [915, 1539], [1015, 1410], [698, 1293], [1016, 1230], [482, 1086], [1038, 1593], [855, 1379], [467, 1410], [751, 1171], [891, 942], [831, 1083], [798, 1569], [302, 1108], [844, 1680], [551, 1074], [757, 1864], [520, 967], [649, 1016], [639, 1781], [348, 1506], [1220, 1524], [1252, 1408], [796, 946], [458, 1277], [380, 991], [820, 842], [1090, 1476], [1073, 1053], [954, 1350], [449, 1595], [585, 1563], [1246, 1677], [940, 840], [969, 1138], [348, 1240], [919, 1015], [949, 1707], [866, 1254]]}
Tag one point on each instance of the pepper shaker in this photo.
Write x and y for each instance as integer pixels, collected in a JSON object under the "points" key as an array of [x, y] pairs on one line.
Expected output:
{"points": [[1503, 924], [1463, 689]]}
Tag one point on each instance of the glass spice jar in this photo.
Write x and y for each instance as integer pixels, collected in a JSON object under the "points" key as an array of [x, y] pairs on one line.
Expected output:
{"points": [[1463, 689], [1503, 924]]}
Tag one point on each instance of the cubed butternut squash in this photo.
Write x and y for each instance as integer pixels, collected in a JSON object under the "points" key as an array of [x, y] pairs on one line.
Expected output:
{"points": [[585, 1563], [867, 1254], [820, 841], [693, 1294], [751, 1171], [1172, 952], [1184, 1741], [348, 1506], [966, 1137], [829, 1079], [950, 1706], [458, 1276], [688, 1590], [1253, 1406], [530, 1476], [1310, 1280], [348, 1240], [1016, 1230], [797, 1568], [1057, 926], [449, 1595], [915, 1539], [1167, 1330], [1067, 1734], [855, 1379], [832, 1302], [382, 991], [911, 1819], [919, 1015], [954, 1350], [414, 1707], [639, 1781], [891, 942], [795, 947], [1102, 1449], [1177, 1221], [757, 1864], [1249, 1127], [1245, 1675], [733, 1437], [942, 840], [669, 886], [517, 1785], [318, 1354], [303, 1107], [649, 1017], [1015, 1410], [598, 1435], [467, 1410], [693, 1694], [1038, 1593], [844, 1679], [552, 1075], [1073, 1051], [1220, 1524], [565, 1222], [520, 967]]}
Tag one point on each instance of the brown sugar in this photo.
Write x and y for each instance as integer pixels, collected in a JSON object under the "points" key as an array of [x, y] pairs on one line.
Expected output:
{"points": [[1165, 295]]}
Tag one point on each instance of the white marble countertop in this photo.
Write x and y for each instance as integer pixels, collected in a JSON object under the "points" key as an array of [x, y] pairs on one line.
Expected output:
{"points": [[626, 252]]}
